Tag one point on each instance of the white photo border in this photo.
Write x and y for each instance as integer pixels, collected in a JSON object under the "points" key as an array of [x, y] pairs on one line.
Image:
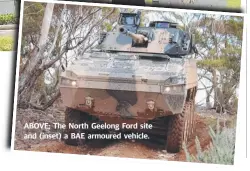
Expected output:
{"points": [[241, 117]]}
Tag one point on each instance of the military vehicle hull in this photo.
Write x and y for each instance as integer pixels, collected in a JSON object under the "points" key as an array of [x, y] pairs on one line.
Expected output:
{"points": [[124, 88]]}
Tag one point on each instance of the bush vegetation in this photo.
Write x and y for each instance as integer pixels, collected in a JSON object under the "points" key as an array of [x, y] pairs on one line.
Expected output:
{"points": [[6, 43], [220, 150], [7, 19]]}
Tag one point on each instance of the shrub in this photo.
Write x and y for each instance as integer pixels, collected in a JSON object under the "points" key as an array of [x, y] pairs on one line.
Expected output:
{"points": [[220, 151], [7, 19], [6, 43]]}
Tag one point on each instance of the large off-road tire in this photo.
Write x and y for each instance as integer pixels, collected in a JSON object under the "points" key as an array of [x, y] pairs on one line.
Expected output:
{"points": [[178, 130], [76, 117]]}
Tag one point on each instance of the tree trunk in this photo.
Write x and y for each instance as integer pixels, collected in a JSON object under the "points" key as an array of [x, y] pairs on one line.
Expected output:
{"points": [[208, 103], [214, 79], [27, 79], [46, 24]]}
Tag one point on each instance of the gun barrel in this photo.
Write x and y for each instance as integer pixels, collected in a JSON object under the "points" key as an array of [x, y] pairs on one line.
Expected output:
{"points": [[138, 38], [123, 30]]}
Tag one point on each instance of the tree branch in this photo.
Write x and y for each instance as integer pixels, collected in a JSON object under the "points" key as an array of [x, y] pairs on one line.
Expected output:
{"points": [[57, 31], [90, 30]]}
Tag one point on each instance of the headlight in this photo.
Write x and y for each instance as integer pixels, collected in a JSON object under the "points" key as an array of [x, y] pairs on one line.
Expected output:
{"points": [[167, 89], [68, 82], [174, 89], [73, 83]]}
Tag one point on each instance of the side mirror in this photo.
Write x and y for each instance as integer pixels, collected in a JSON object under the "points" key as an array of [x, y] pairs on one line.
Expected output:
{"points": [[138, 18], [137, 22]]}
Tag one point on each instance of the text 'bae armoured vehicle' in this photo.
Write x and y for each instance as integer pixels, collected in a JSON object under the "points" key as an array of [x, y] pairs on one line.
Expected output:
{"points": [[135, 75]]}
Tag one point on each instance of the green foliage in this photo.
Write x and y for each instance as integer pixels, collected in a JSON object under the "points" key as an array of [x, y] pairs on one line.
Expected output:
{"points": [[7, 19], [32, 20], [229, 59], [108, 26], [6, 43], [221, 41], [214, 63], [33, 16], [234, 4], [220, 151], [234, 27]]}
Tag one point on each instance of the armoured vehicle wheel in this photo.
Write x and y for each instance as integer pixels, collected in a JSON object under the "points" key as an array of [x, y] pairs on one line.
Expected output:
{"points": [[76, 117], [178, 129]]}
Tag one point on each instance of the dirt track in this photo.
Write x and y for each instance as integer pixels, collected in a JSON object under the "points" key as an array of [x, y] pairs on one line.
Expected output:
{"points": [[127, 149]]}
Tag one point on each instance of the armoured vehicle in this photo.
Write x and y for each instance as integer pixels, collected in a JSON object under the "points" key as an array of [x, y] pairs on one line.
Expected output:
{"points": [[135, 75]]}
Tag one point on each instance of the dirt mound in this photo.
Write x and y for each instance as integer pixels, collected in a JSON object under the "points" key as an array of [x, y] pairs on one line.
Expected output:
{"points": [[128, 150], [121, 149]]}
